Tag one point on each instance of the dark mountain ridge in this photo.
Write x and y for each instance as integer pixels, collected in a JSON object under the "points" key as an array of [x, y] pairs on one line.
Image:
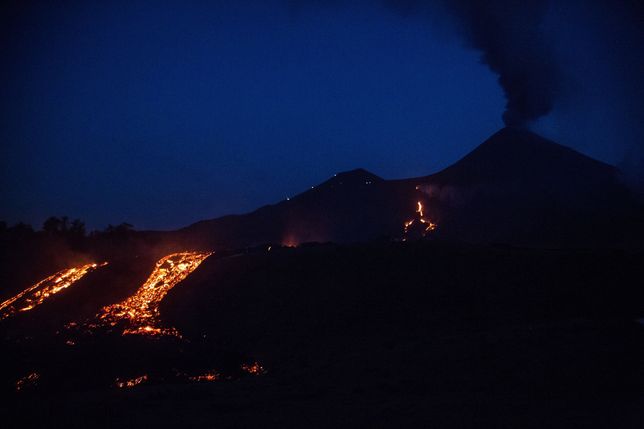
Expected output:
{"points": [[513, 154], [416, 332], [515, 188]]}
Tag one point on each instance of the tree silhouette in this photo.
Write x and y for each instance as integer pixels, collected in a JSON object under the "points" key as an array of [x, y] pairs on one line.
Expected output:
{"points": [[77, 228], [52, 225], [63, 227], [21, 229]]}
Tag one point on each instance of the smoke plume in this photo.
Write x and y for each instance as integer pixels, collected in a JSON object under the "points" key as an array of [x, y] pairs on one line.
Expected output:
{"points": [[508, 33]]}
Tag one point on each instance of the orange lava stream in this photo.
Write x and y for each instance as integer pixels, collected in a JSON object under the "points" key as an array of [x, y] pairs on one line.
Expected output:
{"points": [[209, 376], [254, 368], [429, 226], [38, 293], [141, 311], [126, 384]]}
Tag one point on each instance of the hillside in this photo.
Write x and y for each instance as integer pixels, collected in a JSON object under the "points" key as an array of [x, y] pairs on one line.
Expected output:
{"points": [[515, 188], [386, 334]]}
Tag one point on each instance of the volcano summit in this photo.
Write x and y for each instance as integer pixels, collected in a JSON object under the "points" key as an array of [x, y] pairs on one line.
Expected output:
{"points": [[516, 188]]}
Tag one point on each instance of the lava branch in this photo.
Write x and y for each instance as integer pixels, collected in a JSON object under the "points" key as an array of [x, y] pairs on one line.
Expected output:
{"points": [[140, 312], [129, 383], [29, 380], [253, 369], [427, 225], [38, 293]]}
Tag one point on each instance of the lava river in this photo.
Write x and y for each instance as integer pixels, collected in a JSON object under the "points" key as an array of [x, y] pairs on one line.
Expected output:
{"points": [[37, 294], [139, 314], [427, 226]]}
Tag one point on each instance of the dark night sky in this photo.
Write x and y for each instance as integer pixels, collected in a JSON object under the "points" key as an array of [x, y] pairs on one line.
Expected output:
{"points": [[162, 114]]}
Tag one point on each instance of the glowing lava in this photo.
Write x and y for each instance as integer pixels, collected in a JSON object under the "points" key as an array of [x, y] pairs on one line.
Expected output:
{"points": [[38, 293], [254, 368], [209, 376], [126, 384], [427, 225], [29, 380], [140, 312]]}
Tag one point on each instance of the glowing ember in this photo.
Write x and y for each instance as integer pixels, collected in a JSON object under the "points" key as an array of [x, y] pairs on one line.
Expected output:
{"points": [[209, 376], [428, 225], [141, 311], [127, 384], [27, 381], [254, 368], [38, 293], [289, 242], [408, 224]]}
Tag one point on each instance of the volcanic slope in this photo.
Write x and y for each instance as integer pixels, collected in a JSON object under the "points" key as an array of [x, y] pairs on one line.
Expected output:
{"points": [[515, 188]]}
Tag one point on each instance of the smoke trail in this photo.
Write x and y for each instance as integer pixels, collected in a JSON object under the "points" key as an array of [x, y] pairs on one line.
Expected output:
{"points": [[508, 34], [592, 76]]}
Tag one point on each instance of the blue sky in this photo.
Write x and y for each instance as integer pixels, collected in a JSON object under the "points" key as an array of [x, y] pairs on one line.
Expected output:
{"points": [[162, 114]]}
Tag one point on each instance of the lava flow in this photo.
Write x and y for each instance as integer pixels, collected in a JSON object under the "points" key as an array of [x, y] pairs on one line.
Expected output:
{"points": [[127, 384], [209, 376], [140, 312], [38, 293], [427, 225], [254, 368], [30, 380]]}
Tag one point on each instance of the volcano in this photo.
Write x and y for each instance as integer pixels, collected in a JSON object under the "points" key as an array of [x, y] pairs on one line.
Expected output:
{"points": [[519, 188], [516, 188], [416, 326]]}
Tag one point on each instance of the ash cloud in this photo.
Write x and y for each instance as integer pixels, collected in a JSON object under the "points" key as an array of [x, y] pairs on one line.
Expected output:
{"points": [[577, 64], [595, 80], [509, 35]]}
